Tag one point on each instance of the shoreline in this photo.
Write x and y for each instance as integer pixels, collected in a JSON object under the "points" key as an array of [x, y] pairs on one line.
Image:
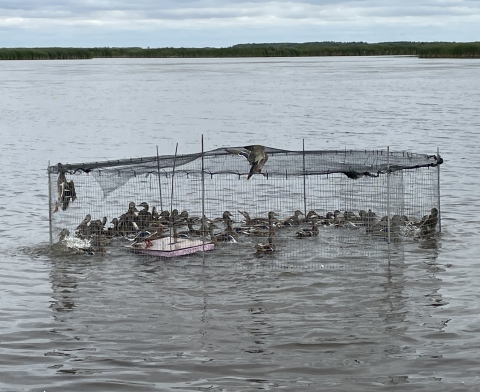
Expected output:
{"points": [[310, 49]]}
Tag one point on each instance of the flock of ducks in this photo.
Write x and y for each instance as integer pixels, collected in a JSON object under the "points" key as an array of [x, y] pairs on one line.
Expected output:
{"points": [[140, 225], [144, 225]]}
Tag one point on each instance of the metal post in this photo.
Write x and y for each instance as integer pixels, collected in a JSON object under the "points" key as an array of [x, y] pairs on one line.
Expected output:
{"points": [[388, 196], [49, 202], [171, 194], [438, 190], [203, 201], [173, 175], [304, 182], [159, 182]]}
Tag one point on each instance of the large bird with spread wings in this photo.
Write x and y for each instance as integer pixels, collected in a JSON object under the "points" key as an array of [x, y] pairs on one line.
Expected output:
{"points": [[256, 156]]}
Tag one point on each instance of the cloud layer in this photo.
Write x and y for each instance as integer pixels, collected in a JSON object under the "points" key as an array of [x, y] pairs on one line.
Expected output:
{"points": [[224, 23]]}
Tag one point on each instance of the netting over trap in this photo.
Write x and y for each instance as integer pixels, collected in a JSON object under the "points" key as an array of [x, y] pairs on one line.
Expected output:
{"points": [[327, 205]]}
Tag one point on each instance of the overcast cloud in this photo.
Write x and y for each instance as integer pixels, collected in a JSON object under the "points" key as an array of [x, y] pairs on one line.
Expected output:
{"points": [[146, 23]]}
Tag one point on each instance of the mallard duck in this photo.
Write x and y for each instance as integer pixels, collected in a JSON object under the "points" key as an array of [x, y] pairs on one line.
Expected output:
{"points": [[398, 219], [221, 237], [128, 222], [269, 246], [370, 218], [155, 214], [227, 215], [113, 231], [350, 225], [96, 226], [153, 232], [230, 230], [328, 219], [61, 178], [224, 237], [378, 228], [349, 216], [253, 221], [429, 223], [373, 225], [181, 234], [229, 235], [178, 219], [293, 220], [310, 216], [362, 213], [266, 247], [140, 237], [261, 230], [262, 226], [144, 216], [131, 214], [248, 219], [165, 215], [64, 233], [211, 228], [66, 190], [173, 216], [256, 156], [97, 243], [338, 218], [203, 229], [83, 230], [309, 232]]}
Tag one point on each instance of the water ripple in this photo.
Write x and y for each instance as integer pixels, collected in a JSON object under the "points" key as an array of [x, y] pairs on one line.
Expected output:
{"points": [[123, 322]]}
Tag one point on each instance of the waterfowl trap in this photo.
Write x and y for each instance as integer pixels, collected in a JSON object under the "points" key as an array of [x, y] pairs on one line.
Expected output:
{"points": [[328, 206]]}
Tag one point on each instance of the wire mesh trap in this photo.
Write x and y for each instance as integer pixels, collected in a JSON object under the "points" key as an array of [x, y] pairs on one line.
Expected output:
{"points": [[244, 202]]}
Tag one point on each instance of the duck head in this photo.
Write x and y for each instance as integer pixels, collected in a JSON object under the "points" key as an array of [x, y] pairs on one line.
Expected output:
{"points": [[144, 205]]}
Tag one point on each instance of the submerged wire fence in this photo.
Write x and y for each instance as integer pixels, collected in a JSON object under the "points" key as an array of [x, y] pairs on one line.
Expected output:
{"points": [[329, 206]]}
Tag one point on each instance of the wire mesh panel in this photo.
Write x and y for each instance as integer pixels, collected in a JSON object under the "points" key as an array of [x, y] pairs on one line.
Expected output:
{"points": [[298, 207]]}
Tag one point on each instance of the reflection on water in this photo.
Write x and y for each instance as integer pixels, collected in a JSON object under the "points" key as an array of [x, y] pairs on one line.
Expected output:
{"points": [[64, 282], [350, 318]]}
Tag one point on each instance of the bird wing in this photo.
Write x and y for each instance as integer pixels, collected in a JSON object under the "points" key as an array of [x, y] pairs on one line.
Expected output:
{"points": [[73, 192], [60, 181], [257, 154], [236, 151]]}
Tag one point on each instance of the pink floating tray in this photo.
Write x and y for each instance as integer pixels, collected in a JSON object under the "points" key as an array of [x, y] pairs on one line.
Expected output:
{"points": [[170, 247]]}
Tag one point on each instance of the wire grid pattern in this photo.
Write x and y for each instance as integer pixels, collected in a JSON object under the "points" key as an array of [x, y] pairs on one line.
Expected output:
{"points": [[107, 192]]}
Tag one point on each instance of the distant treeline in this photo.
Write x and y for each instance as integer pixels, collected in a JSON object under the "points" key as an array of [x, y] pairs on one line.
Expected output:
{"points": [[420, 49]]}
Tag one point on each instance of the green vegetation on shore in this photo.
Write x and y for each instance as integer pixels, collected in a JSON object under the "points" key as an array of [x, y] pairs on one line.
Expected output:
{"points": [[420, 49]]}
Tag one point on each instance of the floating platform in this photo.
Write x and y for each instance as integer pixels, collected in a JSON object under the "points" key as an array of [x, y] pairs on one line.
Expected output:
{"points": [[170, 247]]}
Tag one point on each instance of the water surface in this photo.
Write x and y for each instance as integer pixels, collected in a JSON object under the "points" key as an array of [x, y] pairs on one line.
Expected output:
{"points": [[123, 322]]}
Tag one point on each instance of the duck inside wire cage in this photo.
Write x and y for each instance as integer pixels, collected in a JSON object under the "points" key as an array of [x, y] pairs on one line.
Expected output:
{"points": [[294, 206]]}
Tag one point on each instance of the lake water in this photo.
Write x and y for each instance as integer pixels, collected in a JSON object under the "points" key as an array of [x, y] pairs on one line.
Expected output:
{"points": [[126, 323]]}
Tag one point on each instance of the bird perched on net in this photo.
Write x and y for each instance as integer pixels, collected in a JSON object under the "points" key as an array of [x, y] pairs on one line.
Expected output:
{"points": [[256, 156], [66, 190]]}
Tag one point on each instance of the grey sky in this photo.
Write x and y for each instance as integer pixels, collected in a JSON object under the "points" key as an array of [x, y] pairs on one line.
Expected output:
{"points": [[84, 23]]}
